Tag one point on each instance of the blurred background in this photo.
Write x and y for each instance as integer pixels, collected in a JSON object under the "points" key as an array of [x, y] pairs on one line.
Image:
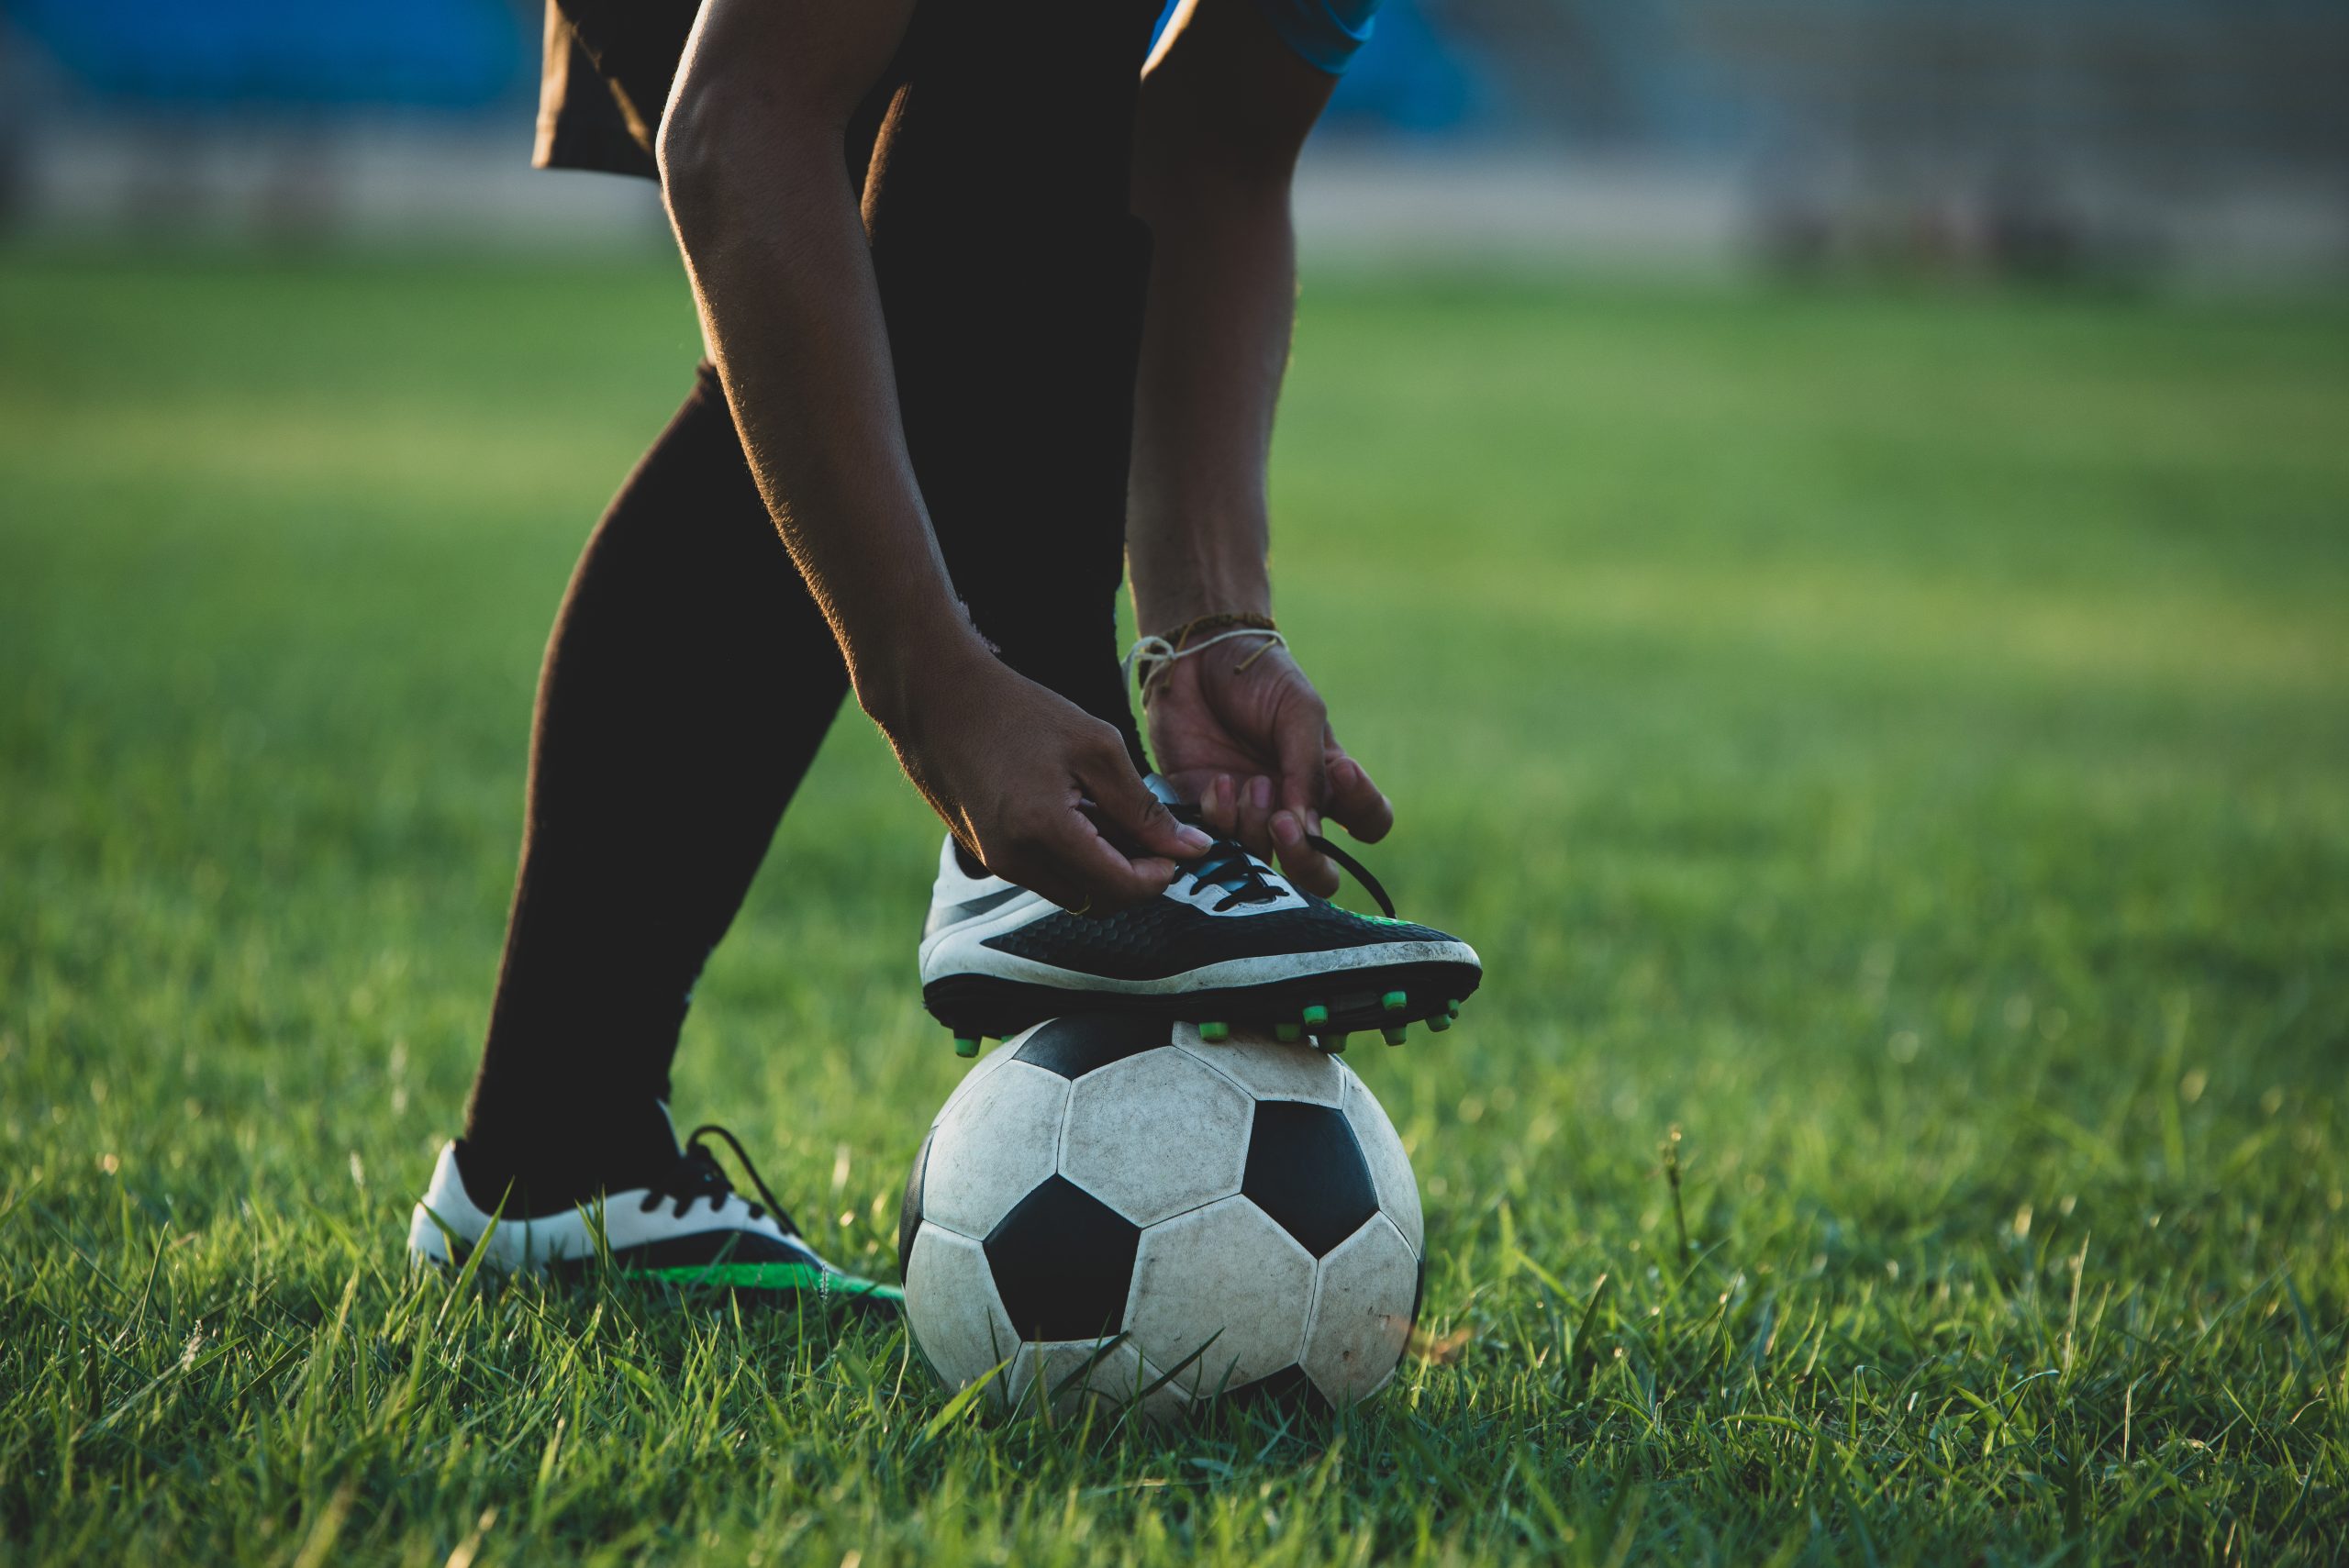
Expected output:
{"points": [[2120, 138], [1830, 517]]}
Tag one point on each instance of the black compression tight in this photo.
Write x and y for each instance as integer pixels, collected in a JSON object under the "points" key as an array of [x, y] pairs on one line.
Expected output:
{"points": [[690, 679]]}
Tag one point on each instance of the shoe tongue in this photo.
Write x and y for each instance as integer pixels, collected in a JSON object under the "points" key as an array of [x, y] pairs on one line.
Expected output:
{"points": [[1166, 793]]}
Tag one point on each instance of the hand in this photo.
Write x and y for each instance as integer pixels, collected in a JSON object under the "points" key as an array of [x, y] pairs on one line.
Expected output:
{"points": [[1042, 791], [1252, 746]]}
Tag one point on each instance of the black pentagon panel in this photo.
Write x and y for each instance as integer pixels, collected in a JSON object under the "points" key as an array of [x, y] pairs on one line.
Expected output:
{"points": [[1287, 1390], [1072, 1047], [1063, 1262], [909, 1210], [1306, 1171]]}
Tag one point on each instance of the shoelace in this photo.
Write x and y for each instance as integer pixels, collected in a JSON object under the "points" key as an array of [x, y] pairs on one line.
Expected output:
{"points": [[1226, 864], [697, 1175]]}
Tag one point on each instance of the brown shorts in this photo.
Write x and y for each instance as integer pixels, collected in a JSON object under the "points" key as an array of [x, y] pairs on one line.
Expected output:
{"points": [[608, 67]]}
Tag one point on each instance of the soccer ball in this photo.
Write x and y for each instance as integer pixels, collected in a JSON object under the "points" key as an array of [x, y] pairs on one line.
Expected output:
{"points": [[1122, 1211]]}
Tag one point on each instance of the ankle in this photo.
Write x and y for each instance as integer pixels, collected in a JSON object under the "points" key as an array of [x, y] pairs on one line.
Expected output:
{"points": [[563, 1162]]}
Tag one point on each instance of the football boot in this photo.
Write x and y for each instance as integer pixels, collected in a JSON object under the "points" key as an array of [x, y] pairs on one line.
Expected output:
{"points": [[1230, 943], [688, 1227]]}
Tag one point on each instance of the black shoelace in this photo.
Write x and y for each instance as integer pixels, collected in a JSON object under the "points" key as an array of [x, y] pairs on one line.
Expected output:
{"points": [[697, 1175], [1226, 864]]}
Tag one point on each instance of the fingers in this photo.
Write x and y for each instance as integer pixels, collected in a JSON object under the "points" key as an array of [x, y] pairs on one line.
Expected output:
{"points": [[1353, 801], [1302, 744], [1302, 741], [1063, 855], [1132, 814], [1255, 828], [1219, 803], [1100, 878], [1115, 845], [1302, 866]]}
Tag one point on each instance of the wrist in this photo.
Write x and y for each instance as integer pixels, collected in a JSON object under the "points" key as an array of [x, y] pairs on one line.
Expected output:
{"points": [[897, 677], [1160, 608]]}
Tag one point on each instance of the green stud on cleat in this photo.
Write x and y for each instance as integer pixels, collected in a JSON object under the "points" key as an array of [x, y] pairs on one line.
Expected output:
{"points": [[1315, 1015], [966, 1045], [1215, 1034], [1451, 1009], [1439, 1023], [1395, 1033], [1335, 1044], [1289, 1034], [1394, 1001]]}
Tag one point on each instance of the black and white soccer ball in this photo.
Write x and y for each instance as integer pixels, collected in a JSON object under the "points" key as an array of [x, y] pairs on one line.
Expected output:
{"points": [[1120, 1210]]}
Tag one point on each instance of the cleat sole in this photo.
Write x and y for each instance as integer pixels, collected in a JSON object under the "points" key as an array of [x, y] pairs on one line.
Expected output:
{"points": [[1324, 1005]]}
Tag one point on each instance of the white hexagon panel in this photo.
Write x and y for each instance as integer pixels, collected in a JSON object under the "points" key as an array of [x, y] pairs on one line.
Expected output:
{"points": [[1063, 1377], [1267, 1069], [993, 1148], [1225, 1282], [952, 1308], [980, 1071], [1363, 1304], [1156, 1134]]}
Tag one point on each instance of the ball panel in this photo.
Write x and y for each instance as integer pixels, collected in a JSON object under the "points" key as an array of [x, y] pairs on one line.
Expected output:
{"points": [[994, 1149], [910, 1207], [951, 1305], [1390, 1166], [1267, 1069], [1226, 1277], [1064, 1264], [1083, 1043], [1307, 1170], [979, 1072], [1363, 1306], [1155, 1134], [1067, 1375]]}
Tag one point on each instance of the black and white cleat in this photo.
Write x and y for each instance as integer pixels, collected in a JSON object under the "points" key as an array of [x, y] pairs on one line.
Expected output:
{"points": [[690, 1228], [1229, 944]]}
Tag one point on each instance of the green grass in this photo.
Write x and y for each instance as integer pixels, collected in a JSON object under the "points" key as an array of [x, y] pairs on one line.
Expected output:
{"points": [[1900, 742]]}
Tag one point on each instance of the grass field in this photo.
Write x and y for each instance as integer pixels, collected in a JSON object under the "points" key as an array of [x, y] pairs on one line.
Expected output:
{"points": [[1900, 742]]}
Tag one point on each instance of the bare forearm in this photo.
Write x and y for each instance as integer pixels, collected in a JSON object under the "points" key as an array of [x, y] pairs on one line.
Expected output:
{"points": [[782, 276], [750, 150], [1225, 108], [1223, 283]]}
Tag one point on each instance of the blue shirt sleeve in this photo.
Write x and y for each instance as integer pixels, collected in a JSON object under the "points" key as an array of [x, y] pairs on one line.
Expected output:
{"points": [[1324, 33]]}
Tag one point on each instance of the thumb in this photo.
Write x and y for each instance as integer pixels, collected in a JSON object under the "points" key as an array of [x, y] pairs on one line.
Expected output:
{"points": [[1135, 814]]}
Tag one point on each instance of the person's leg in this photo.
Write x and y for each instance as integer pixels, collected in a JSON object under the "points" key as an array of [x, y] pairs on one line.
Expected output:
{"points": [[688, 685], [690, 678], [1012, 273]]}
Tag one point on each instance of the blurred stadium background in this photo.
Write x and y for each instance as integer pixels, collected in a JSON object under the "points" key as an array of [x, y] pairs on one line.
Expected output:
{"points": [[2128, 140]]}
